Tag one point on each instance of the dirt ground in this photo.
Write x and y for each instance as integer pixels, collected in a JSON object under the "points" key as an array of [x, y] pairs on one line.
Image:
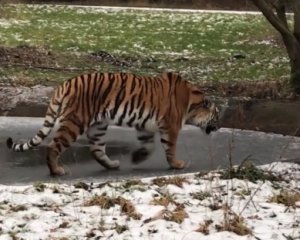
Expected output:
{"points": [[27, 57], [256, 106], [190, 4]]}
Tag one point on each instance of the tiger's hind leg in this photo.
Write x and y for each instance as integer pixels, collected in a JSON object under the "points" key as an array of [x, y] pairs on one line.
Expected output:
{"points": [[95, 134], [146, 138], [65, 135]]}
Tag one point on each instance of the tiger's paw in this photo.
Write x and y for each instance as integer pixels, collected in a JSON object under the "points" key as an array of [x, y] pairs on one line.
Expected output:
{"points": [[177, 164], [139, 155], [59, 171], [113, 164]]}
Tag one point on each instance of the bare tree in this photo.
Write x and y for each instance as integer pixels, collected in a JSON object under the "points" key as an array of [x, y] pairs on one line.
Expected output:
{"points": [[275, 12]]}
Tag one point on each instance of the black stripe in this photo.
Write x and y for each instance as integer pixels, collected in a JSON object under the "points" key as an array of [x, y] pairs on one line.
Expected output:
{"points": [[68, 88], [75, 80], [98, 97], [58, 146], [93, 139], [75, 120], [84, 94], [145, 120], [50, 115], [141, 111], [102, 128], [41, 134], [120, 121], [108, 89], [99, 135], [146, 81], [124, 76], [145, 138], [68, 131], [151, 92], [132, 103], [164, 141], [194, 106], [139, 101], [61, 140], [31, 143], [104, 109], [131, 120], [160, 83], [93, 86], [176, 105], [138, 127], [101, 144], [178, 78], [170, 83], [119, 98], [78, 94], [52, 112], [96, 150], [133, 84], [87, 96], [48, 124]]}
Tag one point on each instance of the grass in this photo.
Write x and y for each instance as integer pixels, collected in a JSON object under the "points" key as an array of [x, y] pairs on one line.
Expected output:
{"points": [[107, 202], [201, 195], [177, 215], [247, 170], [201, 46], [234, 224], [18, 208], [204, 227], [39, 186], [164, 200], [174, 180], [286, 198]]}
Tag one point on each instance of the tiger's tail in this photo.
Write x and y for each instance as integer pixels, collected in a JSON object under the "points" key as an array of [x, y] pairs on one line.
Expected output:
{"points": [[52, 114]]}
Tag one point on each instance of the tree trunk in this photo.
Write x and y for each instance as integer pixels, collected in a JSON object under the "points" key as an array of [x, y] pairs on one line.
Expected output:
{"points": [[291, 39], [295, 74], [295, 60], [293, 49]]}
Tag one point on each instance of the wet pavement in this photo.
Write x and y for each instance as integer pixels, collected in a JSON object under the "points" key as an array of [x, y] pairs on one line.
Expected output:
{"points": [[201, 152]]}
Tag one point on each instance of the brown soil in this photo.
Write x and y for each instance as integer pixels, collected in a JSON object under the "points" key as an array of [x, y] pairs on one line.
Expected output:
{"points": [[191, 4], [245, 111], [27, 57]]}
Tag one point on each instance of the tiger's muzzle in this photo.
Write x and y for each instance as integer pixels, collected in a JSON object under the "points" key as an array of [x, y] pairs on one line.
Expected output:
{"points": [[213, 124], [211, 128]]}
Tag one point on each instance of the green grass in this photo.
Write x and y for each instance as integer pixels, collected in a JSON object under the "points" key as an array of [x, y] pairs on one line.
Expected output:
{"points": [[198, 45]]}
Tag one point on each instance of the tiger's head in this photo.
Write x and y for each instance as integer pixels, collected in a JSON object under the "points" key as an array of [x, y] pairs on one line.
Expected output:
{"points": [[201, 111]]}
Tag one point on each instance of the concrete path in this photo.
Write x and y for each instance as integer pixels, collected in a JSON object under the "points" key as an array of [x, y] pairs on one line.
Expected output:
{"points": [[200, 151]]}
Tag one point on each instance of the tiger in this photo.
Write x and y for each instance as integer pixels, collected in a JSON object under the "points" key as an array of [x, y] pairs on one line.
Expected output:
{"points": [[89, 103]]}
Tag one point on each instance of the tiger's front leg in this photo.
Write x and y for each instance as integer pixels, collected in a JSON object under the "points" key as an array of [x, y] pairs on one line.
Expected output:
{"points": [[168, 138], [95, 134]]}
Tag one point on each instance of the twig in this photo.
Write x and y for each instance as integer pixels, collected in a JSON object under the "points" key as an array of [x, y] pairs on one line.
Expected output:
{"points": [[251, 198]]}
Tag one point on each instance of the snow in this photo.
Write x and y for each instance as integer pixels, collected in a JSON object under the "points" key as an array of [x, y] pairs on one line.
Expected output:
{"points": [[64, 211]]}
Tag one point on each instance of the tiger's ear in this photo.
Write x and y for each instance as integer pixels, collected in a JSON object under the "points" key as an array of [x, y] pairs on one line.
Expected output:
{"points": [[195, 89]]}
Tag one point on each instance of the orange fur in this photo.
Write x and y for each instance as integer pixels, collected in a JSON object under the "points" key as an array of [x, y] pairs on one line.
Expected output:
{"points": [[90, 102]]}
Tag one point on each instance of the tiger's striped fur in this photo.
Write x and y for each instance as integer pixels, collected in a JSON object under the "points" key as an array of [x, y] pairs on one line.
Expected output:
{"points": [[90, 102]]}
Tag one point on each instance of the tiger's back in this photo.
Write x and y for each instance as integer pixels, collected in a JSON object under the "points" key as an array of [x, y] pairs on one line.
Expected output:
{"points": [[90, 102], [121, 98]]}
